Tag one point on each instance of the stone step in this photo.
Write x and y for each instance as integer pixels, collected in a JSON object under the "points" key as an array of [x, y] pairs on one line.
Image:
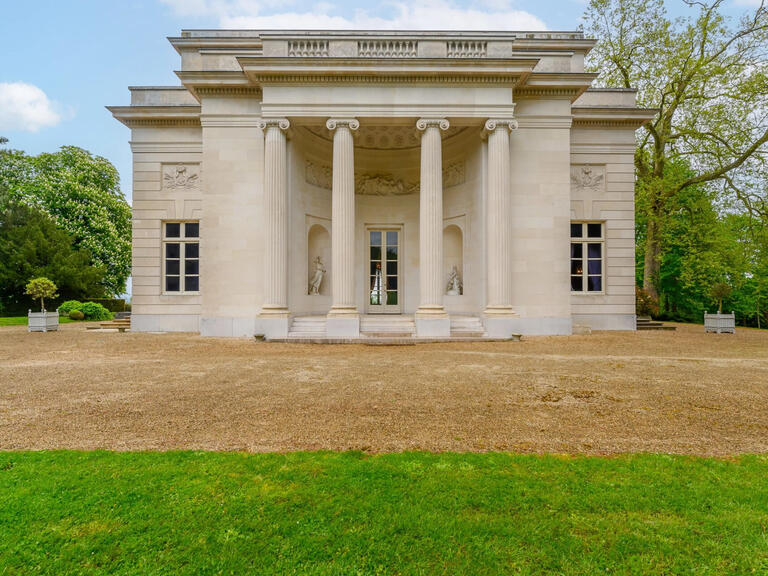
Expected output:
{"points": [[670, 328]]}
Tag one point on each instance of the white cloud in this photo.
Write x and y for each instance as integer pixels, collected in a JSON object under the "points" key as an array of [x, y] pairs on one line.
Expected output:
{"points": [[428, 15], [26, 108]]}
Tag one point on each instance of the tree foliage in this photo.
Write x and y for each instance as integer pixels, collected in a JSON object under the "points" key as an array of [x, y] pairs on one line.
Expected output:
{"points": [[41, 288], [81, 192], [708, 78]]}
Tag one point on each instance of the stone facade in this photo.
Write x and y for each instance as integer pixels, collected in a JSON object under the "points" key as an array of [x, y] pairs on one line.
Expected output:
{"points": [[401, 160]]}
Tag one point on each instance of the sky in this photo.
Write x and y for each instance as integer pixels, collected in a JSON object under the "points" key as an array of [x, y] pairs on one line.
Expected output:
{"points": [[62, 62]]}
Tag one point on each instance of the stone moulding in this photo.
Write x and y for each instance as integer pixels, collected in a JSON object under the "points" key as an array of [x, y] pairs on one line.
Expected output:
{"points": [[387, 48], [308, 48], [378, 184], [467, 49]]}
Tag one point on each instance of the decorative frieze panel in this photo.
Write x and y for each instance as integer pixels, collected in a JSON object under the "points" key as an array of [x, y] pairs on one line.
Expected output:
{"points": [[181, 176], [308, 48], [387, 48], [378, 184], [467, 49]]}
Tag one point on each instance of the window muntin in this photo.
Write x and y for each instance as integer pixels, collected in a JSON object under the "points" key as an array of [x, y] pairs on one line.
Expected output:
{"points": [[588, 257], [181, 257]]}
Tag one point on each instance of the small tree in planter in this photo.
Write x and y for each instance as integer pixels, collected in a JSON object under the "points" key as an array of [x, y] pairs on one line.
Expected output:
{"points": [[42, 321], [720, 322]]}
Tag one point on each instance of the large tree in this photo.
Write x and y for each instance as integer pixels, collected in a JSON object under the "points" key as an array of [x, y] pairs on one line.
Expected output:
{"points": [[708, 78], [81, 192]]}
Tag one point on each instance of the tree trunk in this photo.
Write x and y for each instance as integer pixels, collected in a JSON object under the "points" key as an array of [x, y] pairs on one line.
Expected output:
{"points": [[651, 265]]}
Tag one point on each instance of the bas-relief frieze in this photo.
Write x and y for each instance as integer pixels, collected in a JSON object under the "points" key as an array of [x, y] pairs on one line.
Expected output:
{"points": [[588, 178], [181, 176], [377, 184]]}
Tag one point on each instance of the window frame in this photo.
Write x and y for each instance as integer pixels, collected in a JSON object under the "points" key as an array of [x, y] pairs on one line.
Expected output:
{"points": [[182, 240], [584, 241]]}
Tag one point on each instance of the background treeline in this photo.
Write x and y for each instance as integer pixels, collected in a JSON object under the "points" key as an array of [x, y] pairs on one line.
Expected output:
{"points": [[62, 216]]}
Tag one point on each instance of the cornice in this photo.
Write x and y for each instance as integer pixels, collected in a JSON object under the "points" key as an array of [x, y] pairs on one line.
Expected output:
{"points": [[235, 91], [137, 116], [611, 117]]}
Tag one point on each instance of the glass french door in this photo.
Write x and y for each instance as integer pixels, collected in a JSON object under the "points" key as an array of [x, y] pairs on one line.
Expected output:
{"points": [[384, 296]]}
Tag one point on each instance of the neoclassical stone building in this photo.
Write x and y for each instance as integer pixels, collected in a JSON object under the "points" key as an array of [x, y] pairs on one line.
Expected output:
{"points": [[346, 184]]}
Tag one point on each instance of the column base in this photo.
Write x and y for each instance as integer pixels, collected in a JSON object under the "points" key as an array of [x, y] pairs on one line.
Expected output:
{"points": [[500, 325], [273, 325], [432, 326], [342, 325]]}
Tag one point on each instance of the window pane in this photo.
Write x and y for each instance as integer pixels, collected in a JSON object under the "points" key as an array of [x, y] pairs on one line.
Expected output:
{"points": [[594, 267], [391, 268], [392, 238], [375, 238], [191, 267], [577, 250], [171, 283], [577, 267], [392, 253], [391, 282], [576, 230], [391, 298], [595, 283], [172, 230], [375, 266], [595, 230], [594, 250], [375, 252], [172, 250], [192, 250], [577, 283], [191, 283], [171, 266], [191, 230]]}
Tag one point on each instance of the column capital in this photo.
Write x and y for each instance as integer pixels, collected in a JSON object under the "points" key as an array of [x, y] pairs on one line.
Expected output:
{"points": [[333, 123], [493, 124], [281, 123], [424, 123]]}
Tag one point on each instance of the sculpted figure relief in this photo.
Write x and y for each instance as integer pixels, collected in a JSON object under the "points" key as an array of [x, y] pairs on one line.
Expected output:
{"points": [[587, 177], [317, 279], [179, 176], [454, 287]]}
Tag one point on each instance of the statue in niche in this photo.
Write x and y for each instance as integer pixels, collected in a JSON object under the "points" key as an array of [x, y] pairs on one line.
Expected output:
{"points": [[454, 287], [317, 278]]}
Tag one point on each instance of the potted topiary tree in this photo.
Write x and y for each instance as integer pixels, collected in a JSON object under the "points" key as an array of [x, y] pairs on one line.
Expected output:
{"points": [[42, 321], [720, 322]]}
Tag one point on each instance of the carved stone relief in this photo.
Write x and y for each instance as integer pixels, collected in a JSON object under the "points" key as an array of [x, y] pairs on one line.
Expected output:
{"points": [[181, 176], [588, 178], [376, 184]]}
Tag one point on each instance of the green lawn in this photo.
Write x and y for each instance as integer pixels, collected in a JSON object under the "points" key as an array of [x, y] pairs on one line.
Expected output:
{"points": [[22, 321], [410, 513]]}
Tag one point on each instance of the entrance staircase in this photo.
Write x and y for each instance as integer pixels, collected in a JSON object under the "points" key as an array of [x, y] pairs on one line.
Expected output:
{"points": [[646, 323], [467, 327], [307, 327], [387, 326]]}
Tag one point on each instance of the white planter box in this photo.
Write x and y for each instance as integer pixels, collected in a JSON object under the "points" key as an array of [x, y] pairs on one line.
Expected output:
{"points": [[720, 322], [43, 321]]}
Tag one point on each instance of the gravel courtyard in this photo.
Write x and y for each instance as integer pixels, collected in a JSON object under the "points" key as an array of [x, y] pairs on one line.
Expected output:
{"points": [[682, 392]]}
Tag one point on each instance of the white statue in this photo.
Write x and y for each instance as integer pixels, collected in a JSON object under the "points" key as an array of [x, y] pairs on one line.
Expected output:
{"points": [[454, 283], [317, 279]]}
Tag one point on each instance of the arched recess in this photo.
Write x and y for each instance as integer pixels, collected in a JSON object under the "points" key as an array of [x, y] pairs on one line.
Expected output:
{"points": [[319, 244], [453, 254]]}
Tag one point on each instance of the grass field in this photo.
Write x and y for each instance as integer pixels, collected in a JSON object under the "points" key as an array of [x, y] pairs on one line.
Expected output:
{"points": [[407, 513], [22, 320]]}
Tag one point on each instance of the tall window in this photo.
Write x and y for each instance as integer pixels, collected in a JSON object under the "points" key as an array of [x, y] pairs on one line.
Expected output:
{"points": [[587, 257], [181, 253]]}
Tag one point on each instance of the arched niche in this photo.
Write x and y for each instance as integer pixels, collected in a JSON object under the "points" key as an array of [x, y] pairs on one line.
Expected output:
{"points": [[319, 244], [453, 255]]}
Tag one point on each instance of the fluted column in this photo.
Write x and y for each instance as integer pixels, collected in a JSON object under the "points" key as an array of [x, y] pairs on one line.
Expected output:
{"points": [[343, 217], [275, 217], [431, 283], [497, 219]]}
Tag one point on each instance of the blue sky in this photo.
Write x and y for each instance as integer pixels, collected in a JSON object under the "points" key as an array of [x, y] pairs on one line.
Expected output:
{"points": [[61, 62]]}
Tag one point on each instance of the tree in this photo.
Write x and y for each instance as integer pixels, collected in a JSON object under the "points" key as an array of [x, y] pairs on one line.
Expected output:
{"points": [[720, 292], [32, 245], [3, 140], [41, 288], [81, 192], [709, 81]]}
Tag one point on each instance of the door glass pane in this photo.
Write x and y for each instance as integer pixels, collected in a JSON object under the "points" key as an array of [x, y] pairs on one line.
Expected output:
{"points": [[191, 267], [595, 283], [375, 252], [577, 283], [576, 267], [391, 298], [391, 238], [375, 238], [172, 230], [391, 268], [172, 250], [192, 250], [391, 282], [576, 230], [171, 283], [191, 283], [594, 267], [171, 266], [595, 230], [577, 250], [392, 253], [593, 250], [375, 266], [191, 230]]}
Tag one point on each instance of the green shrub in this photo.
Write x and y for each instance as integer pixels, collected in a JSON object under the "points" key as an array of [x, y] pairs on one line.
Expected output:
{"points": [[646, 305], [68, 306], [111, 304], [93, 311], [75, 314]]}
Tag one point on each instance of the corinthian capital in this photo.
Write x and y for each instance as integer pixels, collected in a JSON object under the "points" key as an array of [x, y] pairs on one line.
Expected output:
{"points": [[333, 123], [281, 123], [424, 123]]}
